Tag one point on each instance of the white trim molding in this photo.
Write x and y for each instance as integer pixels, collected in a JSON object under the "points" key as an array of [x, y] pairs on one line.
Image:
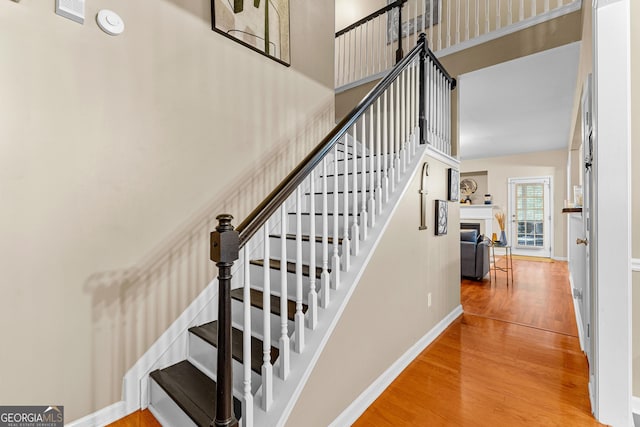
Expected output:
{"points": [[612, 214], [102, 417], [635, 405], [559, 258], [362, 402], [635, 264], [444, 158]]}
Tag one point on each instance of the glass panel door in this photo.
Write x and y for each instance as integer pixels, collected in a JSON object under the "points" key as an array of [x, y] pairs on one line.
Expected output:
{"points": [[530, 214]]}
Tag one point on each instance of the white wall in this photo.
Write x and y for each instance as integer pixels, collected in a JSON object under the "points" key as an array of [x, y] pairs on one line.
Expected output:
{"points": [[115, 155]]}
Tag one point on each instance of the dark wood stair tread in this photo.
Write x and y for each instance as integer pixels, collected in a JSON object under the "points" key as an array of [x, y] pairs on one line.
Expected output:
{"points": [[306, 237], [209, 333], [319, 214], [274, 264], [256, 297], [192, 390]]}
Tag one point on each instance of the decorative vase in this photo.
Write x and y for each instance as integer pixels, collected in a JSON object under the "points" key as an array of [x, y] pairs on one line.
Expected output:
{"points": [[503, 238]]}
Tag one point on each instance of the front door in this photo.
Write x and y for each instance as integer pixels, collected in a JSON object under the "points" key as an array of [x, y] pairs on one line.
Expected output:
{"points": [[530, 210]]}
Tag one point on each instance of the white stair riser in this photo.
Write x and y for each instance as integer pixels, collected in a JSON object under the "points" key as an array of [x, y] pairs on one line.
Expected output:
{"points": [[166, 409], [306, 220], [349, 167], [340, 177], [207, 356], [256, 273], [257, 321], [306, 249], [330, 204]]}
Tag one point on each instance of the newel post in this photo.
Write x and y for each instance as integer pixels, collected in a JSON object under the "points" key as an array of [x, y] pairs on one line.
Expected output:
{"points": [[422, 88], [225, 246], [399, 53]]}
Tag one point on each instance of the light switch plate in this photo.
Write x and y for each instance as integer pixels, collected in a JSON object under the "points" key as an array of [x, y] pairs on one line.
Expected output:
{"points": [[71, 9]]}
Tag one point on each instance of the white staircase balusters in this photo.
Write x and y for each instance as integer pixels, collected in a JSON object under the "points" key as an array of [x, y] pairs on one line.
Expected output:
{"points": [[406, 110], [397, 142], [283, 343], [477, 21], [521, 16], [362, 51], [379, 155], [325, 277], [458, 23], [487, 18], [546, 5], [363, 178], [533, 9], [385, 147], [416, 95], [509, 12], [346, 241], [371, 207], [466, 25], [381, 140], [299, 316], [267, 368], [498, 21], [247, 396], [402, 124], [335, 258], [392, 137], [355, 229], [312, 309]]}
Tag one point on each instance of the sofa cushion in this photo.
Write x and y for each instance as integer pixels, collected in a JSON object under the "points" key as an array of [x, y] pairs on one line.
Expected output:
{"points": [[469, 236]]}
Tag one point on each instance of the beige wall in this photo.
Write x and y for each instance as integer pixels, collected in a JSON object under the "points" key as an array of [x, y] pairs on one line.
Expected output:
{"points": [[388, 312], [115, 155], [635, 188], [544, 163]]}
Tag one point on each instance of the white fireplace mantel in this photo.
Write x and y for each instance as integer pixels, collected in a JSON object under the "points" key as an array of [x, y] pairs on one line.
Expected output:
{"points": [[482, 214]]}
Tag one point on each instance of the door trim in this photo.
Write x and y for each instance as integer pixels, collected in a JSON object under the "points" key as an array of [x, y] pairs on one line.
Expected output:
{"points": [[548, 252]]}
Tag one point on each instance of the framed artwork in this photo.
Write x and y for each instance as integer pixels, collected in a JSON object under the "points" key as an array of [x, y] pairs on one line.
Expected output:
{"points": [[261, 25], [454, 185], [412, 24], [442, 212]]}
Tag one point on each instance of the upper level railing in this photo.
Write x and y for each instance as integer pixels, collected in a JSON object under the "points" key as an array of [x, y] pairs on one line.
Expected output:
{"points": [[369, 47], [355, 168]]}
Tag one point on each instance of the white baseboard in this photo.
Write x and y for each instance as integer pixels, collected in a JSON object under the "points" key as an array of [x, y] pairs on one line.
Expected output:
{"points": [[578, 314], [635, 405], [102, 417], [635, 264], [559, 258], [362, 402]]}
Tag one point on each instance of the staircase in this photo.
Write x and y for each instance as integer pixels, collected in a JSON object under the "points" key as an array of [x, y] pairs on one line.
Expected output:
{"points": [[301, 254]]}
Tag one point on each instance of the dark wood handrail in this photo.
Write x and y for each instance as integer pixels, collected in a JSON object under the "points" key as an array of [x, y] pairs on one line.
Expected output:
{"points": [[371, 16], [279, 195]]}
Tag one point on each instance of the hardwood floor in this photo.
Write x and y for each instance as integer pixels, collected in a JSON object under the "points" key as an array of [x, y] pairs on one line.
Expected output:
{"points": [[137, 419], [540, 297], [513, 359]]}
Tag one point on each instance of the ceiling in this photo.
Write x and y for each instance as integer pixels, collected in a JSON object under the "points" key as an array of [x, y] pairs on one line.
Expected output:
{"points": [[519, 106]]}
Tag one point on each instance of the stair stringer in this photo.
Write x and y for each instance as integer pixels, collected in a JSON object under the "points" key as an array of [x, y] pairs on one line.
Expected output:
{"points": [[302, 365]]}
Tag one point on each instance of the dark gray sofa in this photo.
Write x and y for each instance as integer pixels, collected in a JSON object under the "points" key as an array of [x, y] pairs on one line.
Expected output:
{"points": [[474, 255]]}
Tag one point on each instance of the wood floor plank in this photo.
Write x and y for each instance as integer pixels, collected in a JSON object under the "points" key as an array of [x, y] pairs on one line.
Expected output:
{"points": [[137, 419], [513, 359]]}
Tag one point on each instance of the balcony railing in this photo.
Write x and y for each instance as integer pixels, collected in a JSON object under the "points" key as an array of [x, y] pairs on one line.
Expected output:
{"points": [[366, 49]]}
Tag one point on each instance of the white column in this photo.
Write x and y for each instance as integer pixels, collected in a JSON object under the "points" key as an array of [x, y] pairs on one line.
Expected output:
{"points": [[611, 219]]}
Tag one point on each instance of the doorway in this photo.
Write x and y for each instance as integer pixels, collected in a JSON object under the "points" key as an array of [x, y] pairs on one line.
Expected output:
{"points": [[530, 216]]}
